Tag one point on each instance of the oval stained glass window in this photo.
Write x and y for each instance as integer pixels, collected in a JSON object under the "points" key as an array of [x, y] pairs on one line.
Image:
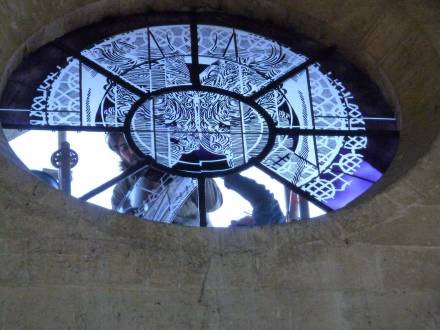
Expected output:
{"points": [[206, 96]]}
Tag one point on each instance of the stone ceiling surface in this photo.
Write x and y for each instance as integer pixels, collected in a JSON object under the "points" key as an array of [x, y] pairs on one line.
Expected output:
{"points": [[372, 265]]}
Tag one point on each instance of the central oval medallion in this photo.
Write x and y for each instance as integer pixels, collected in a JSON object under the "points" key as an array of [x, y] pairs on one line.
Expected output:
{"points": [[198, 132]]}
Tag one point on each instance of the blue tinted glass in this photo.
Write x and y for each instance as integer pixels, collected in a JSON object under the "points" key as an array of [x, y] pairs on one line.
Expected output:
{"points": [[240, 101]]}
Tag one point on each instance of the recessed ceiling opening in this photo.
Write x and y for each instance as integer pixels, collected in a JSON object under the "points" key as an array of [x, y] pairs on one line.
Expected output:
{"points": [[197, 106]]}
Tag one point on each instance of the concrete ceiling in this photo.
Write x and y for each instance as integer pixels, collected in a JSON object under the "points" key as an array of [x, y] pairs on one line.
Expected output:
{"points": [[372, 265]]}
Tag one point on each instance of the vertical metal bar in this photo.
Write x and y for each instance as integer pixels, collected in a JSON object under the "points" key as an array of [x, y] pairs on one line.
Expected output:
{"points": [[202, 202], [80, 93], [152, 103], [153, 119], [62, 137], [149, 52], [237, 57], [61, 174], [298, 207], [64, 173], [243, 138], [293, 209], [304, 208], [195, 78]]}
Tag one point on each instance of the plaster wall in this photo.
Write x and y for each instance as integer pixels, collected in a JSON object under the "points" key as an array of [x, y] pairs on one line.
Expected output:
{"points": [[374, 265]]}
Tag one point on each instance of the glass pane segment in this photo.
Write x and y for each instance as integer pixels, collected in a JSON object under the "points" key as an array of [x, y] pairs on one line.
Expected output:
{"points": [[346, 170], [58, 102], [232, 76], [64, 95], [104, 103], [328, 147], [335, 108], [170, 40], [266, 56], [157, 196], [92, 171], [293, 158], [173, 200], [250, 194], [120, 53], [336, 189], [148, 58], [241, 61], [346, 155], [289, 104], [337, 169], [215, 41]]}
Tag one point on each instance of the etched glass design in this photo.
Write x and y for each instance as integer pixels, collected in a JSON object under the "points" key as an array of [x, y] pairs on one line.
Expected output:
{"points": [[199, 131], [242, 62], [59, 99], [202, 100], [148, 58]]}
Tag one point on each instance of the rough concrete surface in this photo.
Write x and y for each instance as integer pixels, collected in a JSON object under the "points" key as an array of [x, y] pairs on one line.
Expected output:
{"points": [[65, 264]]}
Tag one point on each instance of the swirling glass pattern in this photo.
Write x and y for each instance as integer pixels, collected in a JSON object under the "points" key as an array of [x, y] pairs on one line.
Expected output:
{"points": [[202, 100], [198, 132]]}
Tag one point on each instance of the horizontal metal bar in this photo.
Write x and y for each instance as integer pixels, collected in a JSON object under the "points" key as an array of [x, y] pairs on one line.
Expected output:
{"points": [[380, 118], [362, 118], [16, 110], [44, 111], [279, 131], [198, 132], [327, 132], [63, 128]]}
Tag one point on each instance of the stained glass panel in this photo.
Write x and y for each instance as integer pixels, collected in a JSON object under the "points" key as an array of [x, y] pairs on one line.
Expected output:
{"points": [[204, 100]]}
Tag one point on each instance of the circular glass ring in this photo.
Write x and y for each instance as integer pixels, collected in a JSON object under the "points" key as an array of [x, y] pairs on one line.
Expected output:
{"points": [[192, 131]]}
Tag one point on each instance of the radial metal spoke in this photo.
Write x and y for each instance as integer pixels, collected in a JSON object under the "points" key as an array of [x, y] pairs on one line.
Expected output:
{"points": [[195, 77], [202, 202], [294, 188], [99, 69], [275, 83], [128, 172]]}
